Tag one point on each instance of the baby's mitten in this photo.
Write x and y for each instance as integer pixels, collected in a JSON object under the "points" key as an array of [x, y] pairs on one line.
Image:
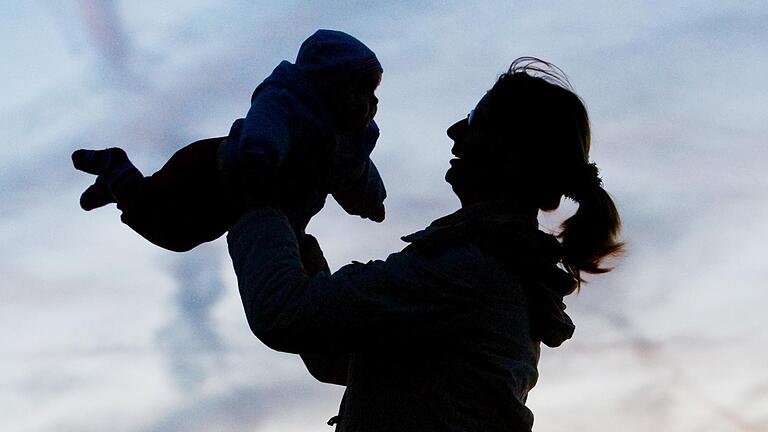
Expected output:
{"points": [[377, 214]]}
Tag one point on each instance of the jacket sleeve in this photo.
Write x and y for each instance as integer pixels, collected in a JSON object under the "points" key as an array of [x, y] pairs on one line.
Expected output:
{"points": [[363, 191], [379, 304], [265, 136], [327, 367]]}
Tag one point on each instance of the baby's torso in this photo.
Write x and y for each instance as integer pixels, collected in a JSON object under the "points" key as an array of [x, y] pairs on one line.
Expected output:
{"points": [[309, 158]]}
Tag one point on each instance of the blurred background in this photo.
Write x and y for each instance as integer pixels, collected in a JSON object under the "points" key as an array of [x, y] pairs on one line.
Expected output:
{"points": [[100, 330]]}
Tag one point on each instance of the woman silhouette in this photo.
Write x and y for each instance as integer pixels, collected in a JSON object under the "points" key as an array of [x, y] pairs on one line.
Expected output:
{"points": [[445, 335]]}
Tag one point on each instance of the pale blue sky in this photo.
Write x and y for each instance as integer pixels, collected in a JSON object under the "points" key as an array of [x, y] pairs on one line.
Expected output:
{"points": [[99, 329]]}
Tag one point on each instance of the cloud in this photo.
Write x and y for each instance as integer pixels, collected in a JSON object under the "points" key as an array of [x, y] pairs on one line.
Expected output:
{"points": [[245, 407], [675, 92], [190, 338]]}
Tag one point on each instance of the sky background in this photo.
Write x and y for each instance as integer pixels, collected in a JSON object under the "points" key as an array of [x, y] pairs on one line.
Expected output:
{"points": [[100, 330]]}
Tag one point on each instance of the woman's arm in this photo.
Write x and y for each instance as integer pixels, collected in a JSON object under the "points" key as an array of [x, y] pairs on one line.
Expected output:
{"points": [[399, 302], [327, 367]]}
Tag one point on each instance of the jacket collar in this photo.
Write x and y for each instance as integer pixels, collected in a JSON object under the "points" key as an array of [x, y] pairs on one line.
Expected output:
{"points": [[494, 213], [511, 234]]}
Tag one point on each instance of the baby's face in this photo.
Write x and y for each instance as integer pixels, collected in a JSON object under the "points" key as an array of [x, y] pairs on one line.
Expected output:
{"points": [[362, 103]]}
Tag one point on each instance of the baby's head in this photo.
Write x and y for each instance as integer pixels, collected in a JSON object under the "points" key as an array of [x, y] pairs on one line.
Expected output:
{"points": [[355, 103], [346, 72]]}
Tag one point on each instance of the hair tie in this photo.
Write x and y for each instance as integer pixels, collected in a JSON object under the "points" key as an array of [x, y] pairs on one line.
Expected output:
{"points": [[586, 179]]}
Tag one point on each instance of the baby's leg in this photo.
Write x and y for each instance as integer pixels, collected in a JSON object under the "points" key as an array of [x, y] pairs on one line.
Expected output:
{"points": [[155, 207], [177, 208], [183, 204]]}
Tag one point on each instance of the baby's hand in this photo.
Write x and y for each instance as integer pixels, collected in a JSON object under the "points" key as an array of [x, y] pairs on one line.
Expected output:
{"points": [[377, 215]]}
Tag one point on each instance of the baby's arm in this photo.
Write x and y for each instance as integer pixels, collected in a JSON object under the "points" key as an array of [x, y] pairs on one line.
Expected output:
{"points": [[265, 136], [363, 193]]}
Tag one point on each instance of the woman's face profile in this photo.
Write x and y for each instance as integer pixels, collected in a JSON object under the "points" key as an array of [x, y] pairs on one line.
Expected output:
{"points": [[467, 135], [469, 131], [458, 132]]}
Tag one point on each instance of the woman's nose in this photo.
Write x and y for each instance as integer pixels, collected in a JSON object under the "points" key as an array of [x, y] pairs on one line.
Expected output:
{"points": [[457, 129]]}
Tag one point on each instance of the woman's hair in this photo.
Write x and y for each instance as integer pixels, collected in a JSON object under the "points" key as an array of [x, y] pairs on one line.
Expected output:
{"points": [[533, 106]]}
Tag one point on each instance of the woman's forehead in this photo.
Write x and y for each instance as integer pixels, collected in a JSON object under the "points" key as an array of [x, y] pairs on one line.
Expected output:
{"points": [[484, 103], [482, 107]]}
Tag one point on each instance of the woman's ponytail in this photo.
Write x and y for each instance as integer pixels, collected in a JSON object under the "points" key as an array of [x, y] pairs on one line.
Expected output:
{"points": [[591, 234], [550, 137]]}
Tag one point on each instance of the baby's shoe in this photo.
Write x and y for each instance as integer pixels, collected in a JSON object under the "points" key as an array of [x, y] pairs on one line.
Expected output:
{"points": [[97, 195], [114, 172]]}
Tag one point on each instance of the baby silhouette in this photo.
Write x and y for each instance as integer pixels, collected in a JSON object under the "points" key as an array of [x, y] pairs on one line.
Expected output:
{"points": [[308, 133]]}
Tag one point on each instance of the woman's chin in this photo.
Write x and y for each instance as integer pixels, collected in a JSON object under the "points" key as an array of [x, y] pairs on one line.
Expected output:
{"points": [[450, 175], [456, 171], [453, 178]]}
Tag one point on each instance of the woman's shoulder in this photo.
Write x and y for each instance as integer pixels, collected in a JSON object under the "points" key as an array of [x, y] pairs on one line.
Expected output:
{"points": [[461, 267]]}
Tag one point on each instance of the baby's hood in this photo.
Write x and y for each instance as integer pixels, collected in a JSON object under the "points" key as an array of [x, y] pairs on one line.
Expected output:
{"points": [[325, 58], [332, 54]]}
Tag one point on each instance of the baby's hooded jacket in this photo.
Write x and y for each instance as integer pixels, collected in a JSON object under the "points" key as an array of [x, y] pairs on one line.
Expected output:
{"points": [[290, 136]]}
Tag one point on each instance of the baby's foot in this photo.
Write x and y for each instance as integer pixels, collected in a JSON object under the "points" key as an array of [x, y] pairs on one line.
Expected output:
{"points": [[97, 195], [115, 173], [99, 162]]}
